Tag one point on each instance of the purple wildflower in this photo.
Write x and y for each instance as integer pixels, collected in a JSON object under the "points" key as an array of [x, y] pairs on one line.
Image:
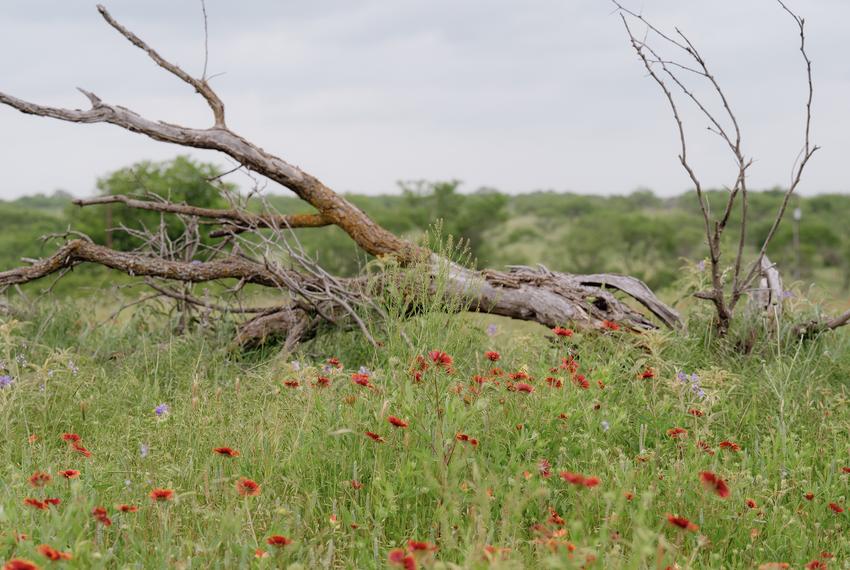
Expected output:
{"points": [[6, 381], [161, 409]]}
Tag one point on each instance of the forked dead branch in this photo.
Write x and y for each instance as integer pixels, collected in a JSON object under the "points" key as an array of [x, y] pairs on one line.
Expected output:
{"points": [[312, 295], [729, 282]]}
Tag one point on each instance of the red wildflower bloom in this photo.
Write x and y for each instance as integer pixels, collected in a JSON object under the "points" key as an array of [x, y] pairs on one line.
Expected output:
{"points": [[492, 355], [610, 325], [40, 479], [398, 557], [714, 483], [226, 451], [291, 383], [569, 363], [247, 487], [816, 565], [809, 496], [323, 381], [523, 387], [836, 508], [555, 518], [52, 501], [52, 554], [581, 381], [440, 358], [705, 447], [361, 379], [521, 375], [696, 413], [35, 503], [127, 508], [420, 546], [730, 445], [100, 514], [334, 361], [677, 432], [601, 384], [80, 448], [20, 564], [356, 485], [579, 479], [375, 437], [70, 437], [647, 374], [562, 331], [629, 495], [260, 553], [752, 504], [554, 382], [682, 523], [278, 541], [162, 494], [70, 473], [845, 469], [397, 422], [497, 372], [32, 438]]}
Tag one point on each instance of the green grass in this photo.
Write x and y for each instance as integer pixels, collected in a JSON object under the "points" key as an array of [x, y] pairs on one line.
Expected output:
{"points": [[786, 405]]}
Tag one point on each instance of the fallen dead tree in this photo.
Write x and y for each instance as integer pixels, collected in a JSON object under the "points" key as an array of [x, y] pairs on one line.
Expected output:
{"points": [[311, 296]]}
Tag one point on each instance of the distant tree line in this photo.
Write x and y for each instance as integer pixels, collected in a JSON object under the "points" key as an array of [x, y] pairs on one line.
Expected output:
{"points": [[640, 234]]}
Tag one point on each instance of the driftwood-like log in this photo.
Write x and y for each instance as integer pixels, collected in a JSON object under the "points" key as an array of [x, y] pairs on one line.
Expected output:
{"points": [[540, 295]]}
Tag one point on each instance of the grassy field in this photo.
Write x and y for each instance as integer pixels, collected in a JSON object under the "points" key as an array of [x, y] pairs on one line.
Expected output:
{"points": [[566, 452]]}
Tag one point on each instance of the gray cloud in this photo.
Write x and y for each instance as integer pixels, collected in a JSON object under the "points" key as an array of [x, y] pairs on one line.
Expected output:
{"points": [[520, 96]]}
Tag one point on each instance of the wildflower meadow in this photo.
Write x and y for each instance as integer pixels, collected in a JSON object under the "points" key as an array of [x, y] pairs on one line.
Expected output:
{"points": [[458, 442]]}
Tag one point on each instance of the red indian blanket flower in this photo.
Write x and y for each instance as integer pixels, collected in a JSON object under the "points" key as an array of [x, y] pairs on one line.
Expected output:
{"points": [[100, 514], [677, 432], [440, 358], [80, 448], [52, 501], [35, 503], [40, 479], [398, 557], [375, 437], [647, 374], [356, 485], [809, 496], [127, 508], [752, 504], [610, 325], [492, 355], [247, 487], [579, 479], [52, 554], [162, 494], [730, 445], [70, 473], [70, 437], [420, 546], [523, 387], [696, 413], [714, 483], [226, 451], [291, 383], [361, 380], [682, 523], [278, 541], [836, 508], [581, 381], [560, 331], [20, 564], [397, 422]]}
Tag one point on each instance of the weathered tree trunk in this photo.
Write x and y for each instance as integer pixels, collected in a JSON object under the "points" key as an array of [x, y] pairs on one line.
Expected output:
{"points": [[539, 295]]}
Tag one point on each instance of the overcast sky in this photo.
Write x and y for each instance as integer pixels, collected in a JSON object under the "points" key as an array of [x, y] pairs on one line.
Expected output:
{"points": [[517, 95]]}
